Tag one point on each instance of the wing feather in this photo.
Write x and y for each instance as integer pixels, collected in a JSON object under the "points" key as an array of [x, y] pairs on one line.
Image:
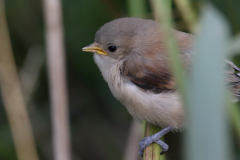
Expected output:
{"points": [[155, 79], [233, 78], [150, 69]]}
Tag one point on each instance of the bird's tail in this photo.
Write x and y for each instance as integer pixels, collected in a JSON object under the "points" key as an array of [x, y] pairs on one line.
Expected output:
{"points": [[233, 79]]}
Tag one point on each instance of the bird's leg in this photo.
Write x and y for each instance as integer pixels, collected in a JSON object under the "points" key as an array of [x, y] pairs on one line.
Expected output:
{"points": [[155, 138]]}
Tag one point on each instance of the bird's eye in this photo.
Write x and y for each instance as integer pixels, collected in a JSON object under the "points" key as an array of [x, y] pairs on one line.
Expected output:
{"points": [[112, 48]]}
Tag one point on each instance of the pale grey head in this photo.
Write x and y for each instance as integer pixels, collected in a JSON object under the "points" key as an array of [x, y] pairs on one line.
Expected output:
{"points": [[122, 36]]}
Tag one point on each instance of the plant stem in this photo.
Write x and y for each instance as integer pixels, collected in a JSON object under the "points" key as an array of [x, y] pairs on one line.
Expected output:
{"points": [[152, 152], [162, 12], [57, 78], [188, 14], [137, 8], [12, 97]]}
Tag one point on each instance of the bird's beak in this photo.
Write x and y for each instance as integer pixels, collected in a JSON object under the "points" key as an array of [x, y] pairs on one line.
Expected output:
{"points": [[95, 49]]}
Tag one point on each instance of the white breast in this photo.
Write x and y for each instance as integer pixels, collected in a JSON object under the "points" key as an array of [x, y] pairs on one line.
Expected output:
{"points": [[163, 109]]}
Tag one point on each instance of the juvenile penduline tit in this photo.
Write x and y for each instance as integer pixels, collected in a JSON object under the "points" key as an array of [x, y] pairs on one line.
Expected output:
{"points": [[133, 59]]}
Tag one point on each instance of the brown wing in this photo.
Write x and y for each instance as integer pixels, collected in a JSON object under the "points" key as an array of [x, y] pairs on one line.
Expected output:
{"points": [[149, 73], [151, 69]]}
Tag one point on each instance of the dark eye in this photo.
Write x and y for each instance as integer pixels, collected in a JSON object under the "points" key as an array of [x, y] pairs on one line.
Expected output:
{"points": [[112, 48]]}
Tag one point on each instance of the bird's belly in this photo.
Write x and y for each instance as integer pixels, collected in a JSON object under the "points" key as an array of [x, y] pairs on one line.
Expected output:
{"points": [[162, 109]]}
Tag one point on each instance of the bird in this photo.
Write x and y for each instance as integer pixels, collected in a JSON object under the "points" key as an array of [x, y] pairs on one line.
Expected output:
{"points": [[133, 59]]}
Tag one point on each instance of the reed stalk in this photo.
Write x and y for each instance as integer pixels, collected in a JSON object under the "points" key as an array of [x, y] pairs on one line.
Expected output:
{"points": [[12, 97], [152, 152], [162, 13], [57, 78], [188, 15]]}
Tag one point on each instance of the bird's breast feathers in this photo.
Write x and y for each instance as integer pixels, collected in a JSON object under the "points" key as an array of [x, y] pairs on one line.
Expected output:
{"points": [[163, 109]]}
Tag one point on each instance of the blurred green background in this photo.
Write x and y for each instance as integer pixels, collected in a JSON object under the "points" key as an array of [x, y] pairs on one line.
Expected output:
{"points": [[99, 123]]}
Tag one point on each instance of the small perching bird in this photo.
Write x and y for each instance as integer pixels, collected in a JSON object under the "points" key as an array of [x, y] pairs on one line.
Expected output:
{"points": [[133, 59]]}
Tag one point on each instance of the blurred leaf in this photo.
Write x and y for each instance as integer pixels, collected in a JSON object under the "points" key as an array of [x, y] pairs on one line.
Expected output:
{"points": [[207, 134]]}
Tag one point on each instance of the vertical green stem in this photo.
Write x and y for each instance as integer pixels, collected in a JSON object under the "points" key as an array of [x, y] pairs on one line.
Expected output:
{"points": [[162, 12], [136, 8], [152, 152], [188, 14]]}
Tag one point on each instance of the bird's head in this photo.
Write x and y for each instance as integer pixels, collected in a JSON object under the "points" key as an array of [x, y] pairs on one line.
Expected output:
{"points": [[120, 37]]}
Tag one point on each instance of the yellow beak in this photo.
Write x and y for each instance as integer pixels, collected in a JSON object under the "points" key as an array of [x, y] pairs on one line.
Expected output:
{"points": [[95, 49]]}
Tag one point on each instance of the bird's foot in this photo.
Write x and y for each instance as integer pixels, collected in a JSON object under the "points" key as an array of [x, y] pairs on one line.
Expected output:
{"points": [[154, 138]]}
